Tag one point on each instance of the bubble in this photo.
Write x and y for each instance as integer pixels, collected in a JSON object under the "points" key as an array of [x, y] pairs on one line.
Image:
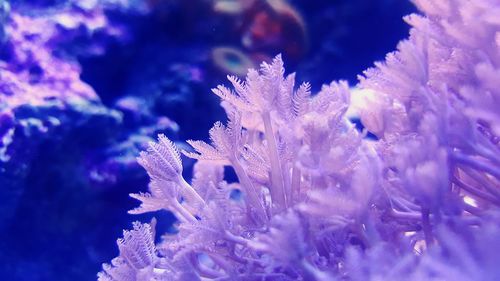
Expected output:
{"points": [[231, 60]]}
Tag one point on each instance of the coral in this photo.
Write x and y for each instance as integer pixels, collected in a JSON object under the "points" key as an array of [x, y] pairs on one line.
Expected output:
{"points": [[318, 200], [43, 97], [40, 96]]}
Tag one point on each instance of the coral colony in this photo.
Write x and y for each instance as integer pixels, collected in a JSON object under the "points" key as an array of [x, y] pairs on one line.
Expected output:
{"points": [[414, 195], [316, 198]]}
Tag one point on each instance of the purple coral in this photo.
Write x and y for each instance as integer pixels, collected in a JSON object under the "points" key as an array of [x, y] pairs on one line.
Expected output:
{"points": [[322, 202]]}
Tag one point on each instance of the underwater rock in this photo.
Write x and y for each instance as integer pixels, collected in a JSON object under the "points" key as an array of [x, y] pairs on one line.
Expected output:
{"points": [[63, 152]]}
